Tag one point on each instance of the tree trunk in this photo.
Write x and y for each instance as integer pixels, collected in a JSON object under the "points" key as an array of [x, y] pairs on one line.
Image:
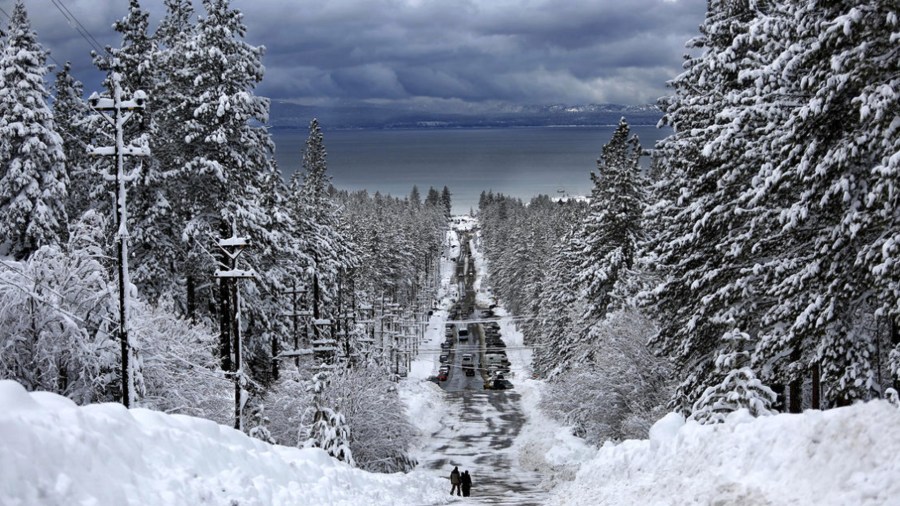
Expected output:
{"points": [[191, 298], [795, 389], [895, 340], [816, 386]]}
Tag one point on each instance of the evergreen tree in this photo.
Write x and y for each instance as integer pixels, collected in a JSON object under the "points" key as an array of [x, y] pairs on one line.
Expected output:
{"points": [[445, 201], [329, 256], [612, 228], [152, 227], [560, 310], [433, 198], [415, 199], [157, 240], [702, 241], [71, 115], [134, 59], [223, 149], [739, 387], [329, 430], [833, 191], [32, 162]]}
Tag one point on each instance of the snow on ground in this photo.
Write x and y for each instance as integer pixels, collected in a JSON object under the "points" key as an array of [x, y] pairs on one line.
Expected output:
{"points": [[57, 453], [544, 445], [837, 457], [53, 452]]}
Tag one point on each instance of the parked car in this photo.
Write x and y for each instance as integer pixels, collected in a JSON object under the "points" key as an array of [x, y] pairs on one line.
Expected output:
{"points": [[470, 371], [442, 375], [446, 345], [501, 384], [463, 335], [444, 358]]}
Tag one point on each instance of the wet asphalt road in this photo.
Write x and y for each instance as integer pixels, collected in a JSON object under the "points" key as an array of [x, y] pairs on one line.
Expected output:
{"points": [[480, 425]]}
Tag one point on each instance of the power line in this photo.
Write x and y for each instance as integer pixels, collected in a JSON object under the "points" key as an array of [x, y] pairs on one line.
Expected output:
{"points": [[78, 27], [49, 54]]}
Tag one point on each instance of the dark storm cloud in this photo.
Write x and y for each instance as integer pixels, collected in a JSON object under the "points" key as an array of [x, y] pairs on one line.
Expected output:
{"points": [[438, 52]]}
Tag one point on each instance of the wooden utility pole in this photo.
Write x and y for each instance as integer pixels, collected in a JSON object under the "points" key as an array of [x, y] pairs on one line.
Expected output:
{"points": [[117, 111], [232, 247], [295, 323]]}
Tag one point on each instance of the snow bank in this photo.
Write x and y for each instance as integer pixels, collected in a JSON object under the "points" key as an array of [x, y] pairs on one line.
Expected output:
{"points": [[836, 457], [56, 453], [543, 444]]}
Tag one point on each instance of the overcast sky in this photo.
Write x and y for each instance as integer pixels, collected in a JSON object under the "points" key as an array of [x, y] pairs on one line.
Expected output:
{"points": [[435, 54]]}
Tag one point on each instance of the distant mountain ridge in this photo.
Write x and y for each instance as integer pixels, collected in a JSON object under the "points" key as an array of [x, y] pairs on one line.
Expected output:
{"points": [[287, 115]]}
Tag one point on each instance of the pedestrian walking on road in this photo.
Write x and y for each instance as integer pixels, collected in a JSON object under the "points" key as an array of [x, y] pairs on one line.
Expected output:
{"points": [[455, 480], [466, 483]]}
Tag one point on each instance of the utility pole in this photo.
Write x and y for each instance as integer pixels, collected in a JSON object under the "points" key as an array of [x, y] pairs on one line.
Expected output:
{"points": [[232, 247], [117, 111], [295, 323]]}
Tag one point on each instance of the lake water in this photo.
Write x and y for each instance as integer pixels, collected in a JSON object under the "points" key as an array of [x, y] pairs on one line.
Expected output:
{"points": [[521, 162]]}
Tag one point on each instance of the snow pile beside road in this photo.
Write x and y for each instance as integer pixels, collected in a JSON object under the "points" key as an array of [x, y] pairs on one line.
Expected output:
{"points": [[836, 457], [544, 445], [56, 453]]}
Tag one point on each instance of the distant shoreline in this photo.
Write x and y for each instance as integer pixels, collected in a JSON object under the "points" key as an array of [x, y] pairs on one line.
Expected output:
{"points": [[454, 127]]}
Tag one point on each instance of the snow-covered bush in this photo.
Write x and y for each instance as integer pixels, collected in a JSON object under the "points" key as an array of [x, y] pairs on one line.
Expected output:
{"points": [[621, 389], [286, 401], [259, 420], [380, 430], [58, 318], [181, 373]]}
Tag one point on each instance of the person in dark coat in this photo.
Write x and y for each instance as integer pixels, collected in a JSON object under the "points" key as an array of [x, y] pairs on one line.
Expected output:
{"points": [[455, 480], [466, 481]]}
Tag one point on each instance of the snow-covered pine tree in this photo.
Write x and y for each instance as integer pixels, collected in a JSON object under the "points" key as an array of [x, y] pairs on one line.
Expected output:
{"points": [[259, 422], [134, 59], [168, 86], [415, 199], [33, 178], [446, 202], [739, 387], [835, 186], [153, 238], [71, 114], [560, 309], [216, 121], [328, 430], [318, 225], [612, 228], [433, 198], [701, 242]]}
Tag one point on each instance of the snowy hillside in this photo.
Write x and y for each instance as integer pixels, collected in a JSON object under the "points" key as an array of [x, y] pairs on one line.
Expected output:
{"points": [[55, 453], [838, 457]]}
